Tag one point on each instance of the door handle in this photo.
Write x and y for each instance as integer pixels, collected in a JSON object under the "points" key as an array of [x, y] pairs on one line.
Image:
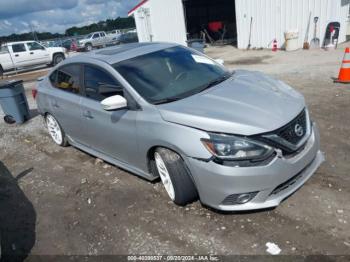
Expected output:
{"points": [[88, 115], [31, 53], [16, 55]]}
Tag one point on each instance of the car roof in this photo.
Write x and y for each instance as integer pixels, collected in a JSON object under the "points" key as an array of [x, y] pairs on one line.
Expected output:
{"points": [[19, 42], [119, 53]]}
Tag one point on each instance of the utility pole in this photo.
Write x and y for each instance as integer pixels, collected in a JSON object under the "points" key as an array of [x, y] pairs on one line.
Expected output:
{"points": [[32, 28]]}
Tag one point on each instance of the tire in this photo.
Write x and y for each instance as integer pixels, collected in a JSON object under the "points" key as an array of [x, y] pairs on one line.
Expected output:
{"points": [[55, 130], [1, 72], [57, 58], [175, 176], [88, 47]]}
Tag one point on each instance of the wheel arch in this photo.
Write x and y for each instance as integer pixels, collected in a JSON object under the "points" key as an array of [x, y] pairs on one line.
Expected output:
{"points": [[57, 53], [53, 57], [150, 158]]}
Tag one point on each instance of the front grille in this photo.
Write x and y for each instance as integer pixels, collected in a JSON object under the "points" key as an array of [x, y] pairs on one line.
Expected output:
{"points": [[286, 138], [288, 132]]}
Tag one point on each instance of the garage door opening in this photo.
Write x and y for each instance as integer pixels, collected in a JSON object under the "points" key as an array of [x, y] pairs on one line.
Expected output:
{"points": [[213, 20]]}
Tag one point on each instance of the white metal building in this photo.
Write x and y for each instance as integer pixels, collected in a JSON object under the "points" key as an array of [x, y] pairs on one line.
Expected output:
{"points": [[178, 20]]}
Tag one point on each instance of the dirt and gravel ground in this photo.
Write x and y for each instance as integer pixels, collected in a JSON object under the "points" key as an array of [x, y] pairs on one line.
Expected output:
{"points": [[62, 201]]}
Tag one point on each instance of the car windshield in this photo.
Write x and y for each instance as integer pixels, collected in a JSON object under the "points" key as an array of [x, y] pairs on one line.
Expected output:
{"points": [[89, 36], [171, 74]]}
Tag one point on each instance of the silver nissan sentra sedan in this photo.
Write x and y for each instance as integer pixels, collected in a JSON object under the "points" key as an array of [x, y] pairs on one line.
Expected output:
{"points": [[235, 140]]}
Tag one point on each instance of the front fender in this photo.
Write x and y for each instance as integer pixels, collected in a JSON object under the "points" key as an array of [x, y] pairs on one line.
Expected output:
{"points": [[153, 131]]}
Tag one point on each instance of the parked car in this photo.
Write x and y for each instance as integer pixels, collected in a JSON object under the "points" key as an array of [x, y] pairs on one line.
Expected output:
{"points": [[125, 38], [236, 140], [27, 54], [96, 39], [70, 44], [115, 32]]}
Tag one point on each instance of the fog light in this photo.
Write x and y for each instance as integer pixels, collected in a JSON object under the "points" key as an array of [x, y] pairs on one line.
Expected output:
{"points": [[243, 198], [239, 199]]}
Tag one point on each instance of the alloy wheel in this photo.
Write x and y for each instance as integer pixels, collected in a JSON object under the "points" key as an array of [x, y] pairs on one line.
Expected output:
{"points": [[54, 129], [164, 175]]}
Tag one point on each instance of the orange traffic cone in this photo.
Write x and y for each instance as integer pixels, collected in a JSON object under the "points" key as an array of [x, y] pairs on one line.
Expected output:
{"points": [[344, 72]]}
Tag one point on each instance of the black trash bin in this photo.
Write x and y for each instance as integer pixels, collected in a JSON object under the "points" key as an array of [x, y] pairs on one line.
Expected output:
{"points": [[13, 102]]}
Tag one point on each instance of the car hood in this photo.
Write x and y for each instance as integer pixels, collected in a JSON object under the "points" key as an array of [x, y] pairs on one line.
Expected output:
{"points": [[83, 40], [56, 49], [248, 103]]}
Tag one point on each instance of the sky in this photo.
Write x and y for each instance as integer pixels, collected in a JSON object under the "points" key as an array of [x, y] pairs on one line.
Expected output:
{"points": [[55, 16]]}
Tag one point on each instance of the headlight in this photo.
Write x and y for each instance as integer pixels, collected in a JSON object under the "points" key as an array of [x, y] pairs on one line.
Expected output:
{"points": [[236, 148]]}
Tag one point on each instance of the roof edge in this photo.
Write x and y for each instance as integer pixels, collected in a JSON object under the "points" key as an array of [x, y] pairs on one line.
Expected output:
{"points": [[136, 7]]}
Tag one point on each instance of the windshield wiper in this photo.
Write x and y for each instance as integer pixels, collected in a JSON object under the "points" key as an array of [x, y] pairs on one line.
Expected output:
{"points": [[216, 81], [204, 87], [167, 100]]}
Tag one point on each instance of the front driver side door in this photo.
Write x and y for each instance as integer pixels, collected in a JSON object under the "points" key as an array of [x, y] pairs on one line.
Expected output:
{"points": [[112, 133], [96, 39], [37, 53]]}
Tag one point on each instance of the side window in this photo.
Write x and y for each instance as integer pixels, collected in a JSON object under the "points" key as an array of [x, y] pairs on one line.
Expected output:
{"points": [[34, 46], [102, 34], [17, 48], [67, 78], [99, 84], [96, 36], [3, 49]]}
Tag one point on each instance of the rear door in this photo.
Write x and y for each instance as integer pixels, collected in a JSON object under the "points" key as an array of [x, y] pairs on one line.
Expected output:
{"points": [[20, 55], [103, 38], [37, 53], [65, 98], [112, 133]]}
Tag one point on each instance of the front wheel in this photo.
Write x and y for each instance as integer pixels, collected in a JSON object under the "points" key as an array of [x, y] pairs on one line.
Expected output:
{"points": [[55, 130], [175, 177], [88, 47]]}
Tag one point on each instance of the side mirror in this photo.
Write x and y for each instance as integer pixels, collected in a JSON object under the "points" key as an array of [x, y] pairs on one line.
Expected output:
{"points": [[114, 103]]}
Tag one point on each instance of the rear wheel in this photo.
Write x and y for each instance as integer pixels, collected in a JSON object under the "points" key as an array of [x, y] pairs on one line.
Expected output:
{"points": [[175, 176], [55, 130], [57, 58]]}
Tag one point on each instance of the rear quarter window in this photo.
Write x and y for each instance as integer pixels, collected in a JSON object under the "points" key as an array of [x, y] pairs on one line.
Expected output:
{"points": [[17, 48], [53, 77], [67, 78]]}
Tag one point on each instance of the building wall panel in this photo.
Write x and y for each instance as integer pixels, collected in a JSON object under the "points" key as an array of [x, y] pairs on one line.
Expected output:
{"points": [[271, 18], [168, 21], [160, 21]]}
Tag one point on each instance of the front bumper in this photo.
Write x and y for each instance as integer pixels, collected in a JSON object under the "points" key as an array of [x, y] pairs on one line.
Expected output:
{"points": [[81, 45], [216, 182]]}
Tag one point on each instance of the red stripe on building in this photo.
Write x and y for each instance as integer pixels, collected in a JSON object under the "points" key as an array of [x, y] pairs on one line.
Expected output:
{"points": [[137, 6]]}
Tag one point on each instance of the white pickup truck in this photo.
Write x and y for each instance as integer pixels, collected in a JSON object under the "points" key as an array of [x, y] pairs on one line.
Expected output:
{"points": [[95, 39], [18, 55]]}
